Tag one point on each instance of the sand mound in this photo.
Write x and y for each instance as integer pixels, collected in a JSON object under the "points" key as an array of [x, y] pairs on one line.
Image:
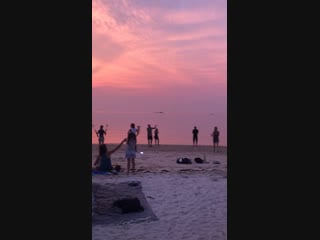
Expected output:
{"points": [[104, 197]]}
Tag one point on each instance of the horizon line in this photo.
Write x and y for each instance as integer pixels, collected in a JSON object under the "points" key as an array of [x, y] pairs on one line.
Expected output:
{"points": [[171, 144]]}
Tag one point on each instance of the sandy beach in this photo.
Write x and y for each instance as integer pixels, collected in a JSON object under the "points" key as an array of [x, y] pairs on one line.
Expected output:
{"points": [[188, 200]]}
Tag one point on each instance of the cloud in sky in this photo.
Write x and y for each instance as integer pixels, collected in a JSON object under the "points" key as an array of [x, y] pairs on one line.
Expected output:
{"points": [[143, 43]]}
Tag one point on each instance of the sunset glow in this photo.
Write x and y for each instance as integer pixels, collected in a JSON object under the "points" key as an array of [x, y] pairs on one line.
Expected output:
{"points": [[168, 56]]}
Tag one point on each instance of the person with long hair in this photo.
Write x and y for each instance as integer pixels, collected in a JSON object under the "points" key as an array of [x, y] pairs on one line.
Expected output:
{"points": [[103, 160], [131, 147]]}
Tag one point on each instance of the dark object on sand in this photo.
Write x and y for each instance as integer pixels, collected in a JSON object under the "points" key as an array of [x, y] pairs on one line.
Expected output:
{"points": [[105, 195], [117, 168], [216, 162], [134, 184], [128, 205], [184, 161], [198, 160]]}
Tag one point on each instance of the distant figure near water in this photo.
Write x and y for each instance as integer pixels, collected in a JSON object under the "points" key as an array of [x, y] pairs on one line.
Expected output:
{"points": [[215, 134], [101, 133], [195, 132], [149, 134], [156, 136]]}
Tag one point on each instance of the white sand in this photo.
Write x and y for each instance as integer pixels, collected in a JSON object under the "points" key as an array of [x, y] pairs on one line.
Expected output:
{"points": [[190, 204]]}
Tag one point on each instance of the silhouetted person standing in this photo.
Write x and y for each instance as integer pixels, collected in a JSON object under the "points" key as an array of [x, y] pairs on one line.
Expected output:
{"points": [[149, 134], [101, 133], [215, 134], [195, 132], [156, 136]]}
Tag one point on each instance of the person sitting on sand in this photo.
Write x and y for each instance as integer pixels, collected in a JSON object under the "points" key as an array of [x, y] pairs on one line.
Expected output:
{"points": [[103, 160]]}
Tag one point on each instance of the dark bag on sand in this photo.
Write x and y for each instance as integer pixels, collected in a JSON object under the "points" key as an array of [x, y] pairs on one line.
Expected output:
{"points": [[117, 168], [184, 161], [128, 205], [198, 160]]}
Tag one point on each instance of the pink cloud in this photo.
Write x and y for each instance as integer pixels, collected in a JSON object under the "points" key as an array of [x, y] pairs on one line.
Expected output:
{"points": [[191, 16]]}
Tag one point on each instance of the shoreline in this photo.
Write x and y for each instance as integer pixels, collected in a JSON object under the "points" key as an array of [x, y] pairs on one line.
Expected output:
{"points": [[170, 146], [176, 144]]}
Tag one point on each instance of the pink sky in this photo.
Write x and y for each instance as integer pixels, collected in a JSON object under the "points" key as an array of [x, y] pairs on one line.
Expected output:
{"points": [[168, 56]]}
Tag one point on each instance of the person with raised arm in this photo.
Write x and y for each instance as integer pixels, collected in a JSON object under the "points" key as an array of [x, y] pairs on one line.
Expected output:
{"points": [[103, 160]]}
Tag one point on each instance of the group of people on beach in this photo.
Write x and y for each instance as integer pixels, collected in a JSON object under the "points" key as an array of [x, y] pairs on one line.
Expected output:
{"points": [[101, 134], [103, 160], [156, 135]]}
